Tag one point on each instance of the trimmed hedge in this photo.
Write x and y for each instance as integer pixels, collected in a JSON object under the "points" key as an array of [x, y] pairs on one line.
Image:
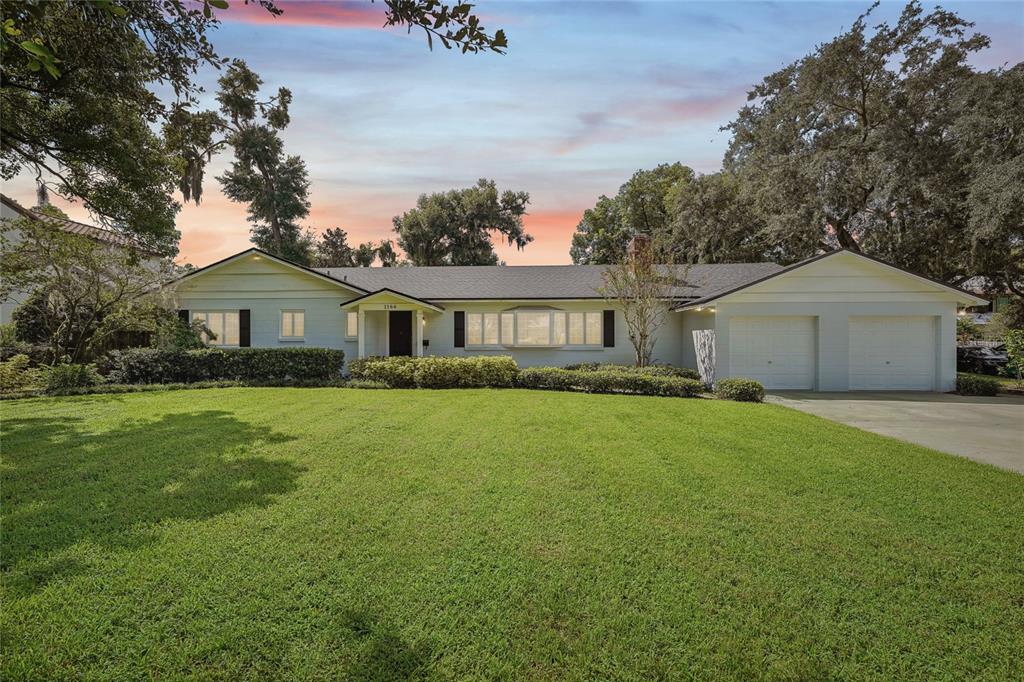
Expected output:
{"points": [[742, 390], [608, 381], [967, 384], [437, 371], [650, 370], [165, 366]]}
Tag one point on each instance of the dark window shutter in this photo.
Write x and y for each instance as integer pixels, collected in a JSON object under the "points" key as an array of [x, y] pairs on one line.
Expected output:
{"points": [[183, 316], [460, 329], [243, 329], [609, 329]]}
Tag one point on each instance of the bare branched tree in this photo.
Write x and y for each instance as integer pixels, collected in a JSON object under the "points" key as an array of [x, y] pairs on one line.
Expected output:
{"points": [[641, 289]]}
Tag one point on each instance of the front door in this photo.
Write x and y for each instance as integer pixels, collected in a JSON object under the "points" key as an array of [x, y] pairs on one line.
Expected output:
{"points": [[400, 332]]}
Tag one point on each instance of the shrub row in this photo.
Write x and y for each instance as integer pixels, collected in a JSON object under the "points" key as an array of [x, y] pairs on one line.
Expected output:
{"points": [[967, 384], [437, 372], [18, 375], [743, 390], [608, 381], [650, 370], [163, 366]]}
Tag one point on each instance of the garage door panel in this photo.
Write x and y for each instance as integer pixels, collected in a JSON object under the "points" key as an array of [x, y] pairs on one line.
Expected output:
{"points": [[892, 353], [777, 351]]}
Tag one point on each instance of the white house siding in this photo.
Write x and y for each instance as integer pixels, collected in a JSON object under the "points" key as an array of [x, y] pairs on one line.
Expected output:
{"points": [[833, 290], [439, 331], [265, 289], [11, 238]]}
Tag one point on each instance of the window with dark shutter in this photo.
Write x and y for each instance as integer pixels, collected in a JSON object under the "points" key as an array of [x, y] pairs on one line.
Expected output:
{"points": [[609, 329], [183, 316], [460, 329], [243, 329]]}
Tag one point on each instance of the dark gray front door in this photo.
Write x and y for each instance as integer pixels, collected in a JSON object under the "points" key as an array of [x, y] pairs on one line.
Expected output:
{"points": [[400, 332]]}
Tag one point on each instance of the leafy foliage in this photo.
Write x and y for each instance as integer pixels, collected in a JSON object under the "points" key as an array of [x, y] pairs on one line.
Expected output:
{"points": [[883, 140], [66, 377], [77, 98], [975, 384], [174, 333], [607, 381], [649, 370], [18, 374], [1015, 354], [966, 330], [742, 390], [455, 227], [85, 293], [158, 365], [642, 206], [437, 371]]}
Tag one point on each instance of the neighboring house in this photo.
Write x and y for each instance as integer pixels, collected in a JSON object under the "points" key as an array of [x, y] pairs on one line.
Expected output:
{"points": [[12, 210], [840, 321]]}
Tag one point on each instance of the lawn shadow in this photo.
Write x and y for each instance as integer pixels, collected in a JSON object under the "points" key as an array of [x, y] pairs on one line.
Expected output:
{"points": [[384, 654], [63, 484]]}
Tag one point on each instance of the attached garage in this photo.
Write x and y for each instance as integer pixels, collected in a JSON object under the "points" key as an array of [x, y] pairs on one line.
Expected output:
{"points": [[778, 351], [889, 353], [841, 321]]}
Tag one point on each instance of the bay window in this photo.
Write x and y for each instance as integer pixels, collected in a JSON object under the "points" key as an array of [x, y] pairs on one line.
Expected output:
{"points": [[223, 325], [508, 329], [527, 328], [533, 328]]}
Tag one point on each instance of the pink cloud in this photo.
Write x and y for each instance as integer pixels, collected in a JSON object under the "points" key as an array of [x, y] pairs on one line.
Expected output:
{"points": [[646, 117], [309, 13]]}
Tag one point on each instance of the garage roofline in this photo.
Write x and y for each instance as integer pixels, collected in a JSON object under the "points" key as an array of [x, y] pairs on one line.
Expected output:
{"points": [[968, 297]]}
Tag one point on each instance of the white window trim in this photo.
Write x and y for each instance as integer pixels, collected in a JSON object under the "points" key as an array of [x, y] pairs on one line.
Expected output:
{"points": [[207, 311], [351, 337], [599, 344], [280, 326]]}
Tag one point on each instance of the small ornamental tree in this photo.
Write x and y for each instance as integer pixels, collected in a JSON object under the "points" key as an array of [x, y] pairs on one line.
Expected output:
{"points": [[1015, 354], [966, 330], [640, 288]]}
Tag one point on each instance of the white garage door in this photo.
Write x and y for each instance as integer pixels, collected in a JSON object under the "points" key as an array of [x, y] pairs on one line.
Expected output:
{"points": [[777, 351], [892, 353]]}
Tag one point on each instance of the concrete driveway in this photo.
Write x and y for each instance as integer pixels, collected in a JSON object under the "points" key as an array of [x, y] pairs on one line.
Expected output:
{"points": [[984, 429]]}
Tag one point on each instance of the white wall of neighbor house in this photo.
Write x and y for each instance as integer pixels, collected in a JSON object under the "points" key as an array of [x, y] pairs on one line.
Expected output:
{"points": [[832, 291], [10, 239]]}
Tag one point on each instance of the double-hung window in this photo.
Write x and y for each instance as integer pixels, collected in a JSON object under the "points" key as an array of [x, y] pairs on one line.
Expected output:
{"points": [[223, 325], [351, 325], [293, 324], [482, 329], [585, 329]]}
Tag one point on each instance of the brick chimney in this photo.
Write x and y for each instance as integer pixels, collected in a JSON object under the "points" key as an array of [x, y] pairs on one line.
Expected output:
{"points": [[640, 245]]}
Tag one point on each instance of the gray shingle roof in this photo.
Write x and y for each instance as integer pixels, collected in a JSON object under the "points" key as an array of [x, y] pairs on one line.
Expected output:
{"points": [[100, 234], [534, 281]]}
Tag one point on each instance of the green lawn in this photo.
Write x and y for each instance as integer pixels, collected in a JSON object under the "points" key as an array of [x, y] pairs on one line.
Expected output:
{"points": [[336, 533]]}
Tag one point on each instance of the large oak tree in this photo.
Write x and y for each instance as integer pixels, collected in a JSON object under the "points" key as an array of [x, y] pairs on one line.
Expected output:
{"points": [[77, 102]]}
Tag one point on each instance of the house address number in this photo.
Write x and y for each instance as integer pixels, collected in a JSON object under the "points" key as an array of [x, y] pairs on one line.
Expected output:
{"points": [[390, 306]]}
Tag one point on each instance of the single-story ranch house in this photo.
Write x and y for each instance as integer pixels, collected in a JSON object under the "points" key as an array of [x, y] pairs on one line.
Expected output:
{"points": [[836, 322]]}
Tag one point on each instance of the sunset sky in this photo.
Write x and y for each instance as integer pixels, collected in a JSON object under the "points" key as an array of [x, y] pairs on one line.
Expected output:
{"points": [[588, 93]]}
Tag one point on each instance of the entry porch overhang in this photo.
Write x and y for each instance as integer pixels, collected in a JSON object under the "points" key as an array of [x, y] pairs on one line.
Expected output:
{"points": [[389, 301]]}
